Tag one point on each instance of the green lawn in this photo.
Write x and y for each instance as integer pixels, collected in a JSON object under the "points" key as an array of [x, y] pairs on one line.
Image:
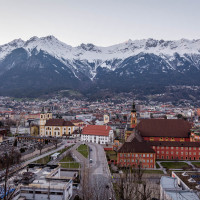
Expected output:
{"points": [[196, 164], [112, 155], [70, 165], [84, 150], [174, 165], [68, 158], [44, 160], [157, 165], [47, 159]]}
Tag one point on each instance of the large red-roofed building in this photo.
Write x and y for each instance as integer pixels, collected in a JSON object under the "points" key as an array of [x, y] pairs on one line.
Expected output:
{"points": [[101, 134]]}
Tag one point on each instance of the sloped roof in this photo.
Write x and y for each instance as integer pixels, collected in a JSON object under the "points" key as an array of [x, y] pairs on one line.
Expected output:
{"points": [[58, 122], [101, 130], [135, 147], [164, 128]]}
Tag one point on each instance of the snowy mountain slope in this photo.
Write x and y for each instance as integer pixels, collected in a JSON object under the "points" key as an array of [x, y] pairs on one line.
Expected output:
{"points": [[56, 65]]}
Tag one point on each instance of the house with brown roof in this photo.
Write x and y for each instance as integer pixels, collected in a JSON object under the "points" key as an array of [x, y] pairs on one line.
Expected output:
{"points": [[164, 130], [101, 134], [58, 128], [136, 153]]}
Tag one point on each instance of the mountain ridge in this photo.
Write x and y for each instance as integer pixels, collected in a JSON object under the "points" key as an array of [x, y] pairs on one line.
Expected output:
{"points": [[121, 67]]}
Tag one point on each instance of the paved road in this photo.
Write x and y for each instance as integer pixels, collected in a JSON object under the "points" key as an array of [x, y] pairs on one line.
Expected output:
{"points": [[100, 173]]}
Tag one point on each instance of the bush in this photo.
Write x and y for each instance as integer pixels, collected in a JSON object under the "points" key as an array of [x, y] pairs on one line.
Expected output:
{"points": [[22, 150]]}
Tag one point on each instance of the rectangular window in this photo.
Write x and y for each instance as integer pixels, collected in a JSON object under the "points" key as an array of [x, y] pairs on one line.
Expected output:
{"points": [[172, 147], [143, 155], [147, 155]]}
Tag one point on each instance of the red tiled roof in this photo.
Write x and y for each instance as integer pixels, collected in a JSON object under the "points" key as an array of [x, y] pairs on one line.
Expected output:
{"points": [[96, 130], [164, 128], [58, 122]]}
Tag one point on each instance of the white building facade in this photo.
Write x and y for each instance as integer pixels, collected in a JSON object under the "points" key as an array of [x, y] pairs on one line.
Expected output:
{"points": [[97, 134]]}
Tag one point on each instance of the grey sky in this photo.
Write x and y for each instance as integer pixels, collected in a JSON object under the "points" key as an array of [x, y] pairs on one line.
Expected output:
{"points": [[102, 22]]}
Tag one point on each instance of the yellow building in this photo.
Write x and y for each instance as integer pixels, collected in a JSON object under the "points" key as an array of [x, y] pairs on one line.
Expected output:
{"points": [[131, 129], [106, 119], [43, 118], [79, 124], [58, 128]]}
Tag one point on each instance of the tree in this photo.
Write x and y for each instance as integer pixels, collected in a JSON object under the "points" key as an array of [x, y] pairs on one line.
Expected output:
{"points": [[55, 142], [1, 123], [15, 143], [40, 147], [179, 116], [8, 159], [131, 186]]}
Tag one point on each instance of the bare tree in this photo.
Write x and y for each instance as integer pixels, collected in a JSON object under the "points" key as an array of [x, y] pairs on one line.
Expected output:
{"points": [[55, 142], [40, 147], [131, 186], [8, 159]]}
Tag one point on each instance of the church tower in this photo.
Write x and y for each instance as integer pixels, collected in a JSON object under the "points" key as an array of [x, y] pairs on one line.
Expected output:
{"points": [[44, 116], [133, 116]]}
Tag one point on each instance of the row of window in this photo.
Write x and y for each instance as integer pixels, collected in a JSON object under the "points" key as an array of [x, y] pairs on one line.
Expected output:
{"points": [[176, 157], [40, 192], [44, 116], [57, 128], [136, 155], [143, 165], [136, 160], [177, 153], [182, 148], [57, 133], [100, 137]]}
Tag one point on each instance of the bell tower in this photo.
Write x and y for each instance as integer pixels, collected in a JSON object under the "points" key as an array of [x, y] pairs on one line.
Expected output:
{"points": [[133, 116]]}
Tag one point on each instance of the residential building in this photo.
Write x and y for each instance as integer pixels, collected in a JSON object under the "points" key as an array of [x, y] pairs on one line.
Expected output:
{"points": [[101, 134], [136, 153], [47, 183]]}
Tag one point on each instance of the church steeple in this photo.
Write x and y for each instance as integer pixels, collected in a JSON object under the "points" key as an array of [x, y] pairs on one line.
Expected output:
{"points": [[133, 116], [133, 107]]}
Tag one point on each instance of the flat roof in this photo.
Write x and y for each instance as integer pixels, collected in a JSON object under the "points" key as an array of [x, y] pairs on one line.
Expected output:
{"points": [[182, 195], [190, 174]]}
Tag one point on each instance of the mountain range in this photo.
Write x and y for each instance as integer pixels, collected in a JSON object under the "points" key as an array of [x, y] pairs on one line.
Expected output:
{"points": [[43, 65]]}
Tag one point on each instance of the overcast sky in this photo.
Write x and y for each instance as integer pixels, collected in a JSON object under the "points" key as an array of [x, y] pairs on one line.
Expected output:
{"points": [[102, 22]]}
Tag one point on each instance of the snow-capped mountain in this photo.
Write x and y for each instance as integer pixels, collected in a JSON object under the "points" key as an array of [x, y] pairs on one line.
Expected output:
{"points": [[48, 64]]}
